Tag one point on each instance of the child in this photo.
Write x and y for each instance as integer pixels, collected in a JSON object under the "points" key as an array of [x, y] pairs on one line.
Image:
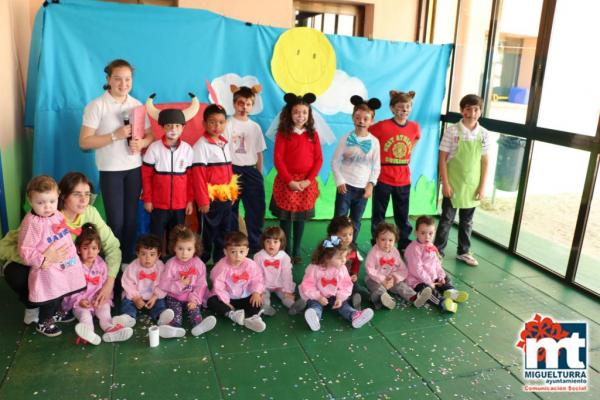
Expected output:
{"points": [[386, 272], [46, 246], [184, 280], [343, 227], [277, 270], [397, 139], [425, 269], [298, 159], [88, 247], [166, 171], [247, 146], [326, 282], [215, 185], [356, 163], [141, 289], [463, 172], [238, 285]]}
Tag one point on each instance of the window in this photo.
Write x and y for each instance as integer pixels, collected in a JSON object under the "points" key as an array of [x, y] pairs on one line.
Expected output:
{"points": [[331, 18]]}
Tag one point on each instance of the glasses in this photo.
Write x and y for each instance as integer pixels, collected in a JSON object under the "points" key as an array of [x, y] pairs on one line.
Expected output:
{"points": [[81, 195]]}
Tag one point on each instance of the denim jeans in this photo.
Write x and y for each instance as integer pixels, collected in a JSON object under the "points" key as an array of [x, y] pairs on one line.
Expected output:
{"points": [[128, 307], [354, 202], [346, 310], [400, 197], [465, 227]]}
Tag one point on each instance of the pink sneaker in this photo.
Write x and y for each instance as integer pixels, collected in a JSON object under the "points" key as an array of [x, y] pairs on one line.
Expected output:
{"points": [[117, 333], [359, 318]]}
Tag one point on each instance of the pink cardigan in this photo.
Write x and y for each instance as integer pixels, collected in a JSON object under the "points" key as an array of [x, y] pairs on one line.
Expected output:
{"points": [[138, 281], [327, 282], [95, 277], [381, 265], [424, 266], [277, 270], [35, 235], [175, 270], [236, 282]]}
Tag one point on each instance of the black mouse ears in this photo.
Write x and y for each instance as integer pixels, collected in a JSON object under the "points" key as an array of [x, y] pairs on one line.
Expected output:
{"points": [[373, 104], [291, 99]]}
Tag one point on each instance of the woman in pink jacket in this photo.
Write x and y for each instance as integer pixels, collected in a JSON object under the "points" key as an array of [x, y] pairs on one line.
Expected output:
{"points": [[425, 269], [327, 282]]}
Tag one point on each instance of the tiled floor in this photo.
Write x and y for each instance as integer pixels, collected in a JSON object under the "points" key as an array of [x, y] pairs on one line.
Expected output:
{"points": [[406, 353]]}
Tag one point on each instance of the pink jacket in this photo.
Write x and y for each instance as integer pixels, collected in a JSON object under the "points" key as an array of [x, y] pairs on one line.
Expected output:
{"points": [[35, 235], [231, 282], [138, 281], [95, 277], [277, 270], [327, 282], [381, 265], [424, 266], [171, 280]]}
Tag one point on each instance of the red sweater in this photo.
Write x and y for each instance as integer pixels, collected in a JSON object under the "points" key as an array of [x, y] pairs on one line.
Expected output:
{"points": [[396, 144], [297, 154]]}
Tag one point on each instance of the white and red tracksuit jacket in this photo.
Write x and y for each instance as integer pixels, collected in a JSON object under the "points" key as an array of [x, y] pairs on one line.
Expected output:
{"points": [[167, 175], [212, 174]]}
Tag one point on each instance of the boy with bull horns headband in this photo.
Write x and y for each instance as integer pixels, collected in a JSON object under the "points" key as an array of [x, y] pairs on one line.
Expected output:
{"points": [[166, 171]]}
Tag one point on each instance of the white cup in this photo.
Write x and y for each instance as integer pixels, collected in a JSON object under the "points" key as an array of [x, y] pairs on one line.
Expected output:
{"points": [[153, 335]]}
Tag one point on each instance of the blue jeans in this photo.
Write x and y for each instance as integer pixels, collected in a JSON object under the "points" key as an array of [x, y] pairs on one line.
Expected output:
{"points": [[400, 197], [129, 308], [465, 227], [354, 202], [346, 310]]}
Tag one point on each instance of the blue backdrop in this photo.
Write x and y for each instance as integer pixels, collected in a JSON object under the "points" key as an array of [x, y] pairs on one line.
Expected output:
{"points": [[174, 51]]}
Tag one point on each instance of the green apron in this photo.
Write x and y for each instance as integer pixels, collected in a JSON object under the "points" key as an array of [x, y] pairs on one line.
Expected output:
{"points": [[464, 171]]}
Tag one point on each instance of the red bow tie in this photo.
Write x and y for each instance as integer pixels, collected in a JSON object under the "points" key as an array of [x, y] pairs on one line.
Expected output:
{"points": [[189, 272], [143, 275], [57, 228], [94, 280], [431, 248], [274, 264], [241, 277], [389, 261], [325, 282]]}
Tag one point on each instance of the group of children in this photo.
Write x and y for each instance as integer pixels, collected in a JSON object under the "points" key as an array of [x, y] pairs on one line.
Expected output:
{"points": [[372, 160]]}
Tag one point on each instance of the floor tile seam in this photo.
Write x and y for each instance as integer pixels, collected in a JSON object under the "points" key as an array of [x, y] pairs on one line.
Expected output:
{"points": [[113, 375], [214, 367], [416, 371], [14, 357]]}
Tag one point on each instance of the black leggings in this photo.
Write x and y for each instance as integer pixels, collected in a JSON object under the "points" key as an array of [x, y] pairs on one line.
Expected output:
{"points": [[16, 276], [215, 304]]}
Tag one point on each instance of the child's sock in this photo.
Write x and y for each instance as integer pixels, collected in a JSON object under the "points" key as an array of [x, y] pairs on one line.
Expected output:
{"points": [[457, 295], [236, 316], [206, 325]]}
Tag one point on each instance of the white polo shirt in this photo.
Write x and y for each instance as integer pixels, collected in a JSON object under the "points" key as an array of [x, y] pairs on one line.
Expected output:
{"points": [[246, 140], [105, 115], [449, 142]]}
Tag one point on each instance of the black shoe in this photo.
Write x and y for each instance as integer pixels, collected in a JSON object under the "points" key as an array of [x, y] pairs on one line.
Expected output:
{"points": [[63, 316], [48, 329]]}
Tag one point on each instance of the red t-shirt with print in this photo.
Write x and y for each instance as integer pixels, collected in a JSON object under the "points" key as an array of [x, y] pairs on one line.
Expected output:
{"points": [[396, 143]]}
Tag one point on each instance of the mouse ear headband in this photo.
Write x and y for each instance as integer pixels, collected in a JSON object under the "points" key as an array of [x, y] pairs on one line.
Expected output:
{"points": [[291, 99], [373, 104]]}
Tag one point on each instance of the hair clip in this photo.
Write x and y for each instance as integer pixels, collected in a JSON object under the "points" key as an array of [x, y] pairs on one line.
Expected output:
{"points": [[291, 99], [373, 104], [332, 242]]}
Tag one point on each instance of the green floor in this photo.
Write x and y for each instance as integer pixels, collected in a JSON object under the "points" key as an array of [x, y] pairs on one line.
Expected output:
{"points": [[406, 353]]}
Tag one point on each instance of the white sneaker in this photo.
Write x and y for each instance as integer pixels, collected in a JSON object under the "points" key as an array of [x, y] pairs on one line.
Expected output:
{"points": [[312, 319], [124, 319], [255, 323], [87, 333], [117, 333], [206, 325], [423, 296], [165, 317], [387, 301], [168, 331], [468, 259], [31, 316], [237, 316], [360, 318]]}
